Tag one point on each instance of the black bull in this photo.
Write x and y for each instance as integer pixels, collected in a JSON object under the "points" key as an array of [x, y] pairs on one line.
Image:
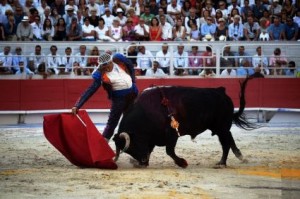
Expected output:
{"points": [[147, 123]]}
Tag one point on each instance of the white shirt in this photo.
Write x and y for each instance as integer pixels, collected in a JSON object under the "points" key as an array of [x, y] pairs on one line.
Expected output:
{"points": [[225, 73], [139, 30], [101, 33], [108, 20], [166, 31], [159, 73], [119, 79], [37, 59], [37, 30], [170, 8], [144, 61], [88, 29], [81, 59], [261, 60], [181, 60], [163, 59], [53, 61], [6, 59], [68, 61]]}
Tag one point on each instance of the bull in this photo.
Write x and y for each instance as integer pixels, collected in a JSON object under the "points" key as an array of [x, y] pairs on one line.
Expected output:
{"points": [[147, 123]]}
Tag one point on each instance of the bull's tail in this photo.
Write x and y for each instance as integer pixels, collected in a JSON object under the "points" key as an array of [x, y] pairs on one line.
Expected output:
{"points": [[239, 117]]}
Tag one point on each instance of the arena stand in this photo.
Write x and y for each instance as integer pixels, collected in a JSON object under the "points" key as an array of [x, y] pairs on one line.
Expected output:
{"points": [[25, 100]]}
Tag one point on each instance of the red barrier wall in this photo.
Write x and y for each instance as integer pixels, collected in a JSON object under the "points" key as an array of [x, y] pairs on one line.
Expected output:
{"points": [[62, 93]]}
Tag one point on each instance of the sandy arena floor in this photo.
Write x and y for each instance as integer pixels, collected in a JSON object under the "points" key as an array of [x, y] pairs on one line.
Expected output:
{"points": [[31, 168]]}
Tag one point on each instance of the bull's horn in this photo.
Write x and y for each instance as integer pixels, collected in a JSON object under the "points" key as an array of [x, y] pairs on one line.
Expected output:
{"points": [[127, 140]]}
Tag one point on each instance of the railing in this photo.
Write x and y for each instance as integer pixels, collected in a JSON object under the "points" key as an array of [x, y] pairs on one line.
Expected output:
{"points": [[289, 49]]}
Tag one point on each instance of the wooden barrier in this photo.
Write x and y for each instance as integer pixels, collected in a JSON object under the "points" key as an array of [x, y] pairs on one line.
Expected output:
{"points": [[53, 94]]}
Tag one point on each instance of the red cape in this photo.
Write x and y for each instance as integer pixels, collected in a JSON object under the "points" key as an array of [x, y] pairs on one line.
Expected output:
{"points": [[78, 139]]}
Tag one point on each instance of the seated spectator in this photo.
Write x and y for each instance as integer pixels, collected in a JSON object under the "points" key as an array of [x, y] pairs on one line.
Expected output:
{"points": [[258, 8], [4, 6], [221, 30], [163, 57], [19, 62], [166, 29], [264, 33], [155, 71], [234, 12], [185, 8], [92, 5], [276, 30], [277, 61], [92, 61], [19, 14], [47, 30], [245, 10], [260, 61], [153, 6], [257, 73], [228, 72], [297, 17], [128, 30], [194, 33], [37, 28], [208, 30], [291, 30], [219, 15], [10, 29], [80, 64], [37, 61], [70, 14], [191, 19], [70, 5], [223, 8], [67, 62], [274, 8], [60, 29], [108, 17], [6, 61], [94, 18], [102, 31], [195, 61], [179, 31], [74, 31], [115, 31], [181, 61], [209, 61], [204, 17], [24, 30], [88, 31], [291, 71], [236, 29], [144, 59], [141, 31], [234, 5], [132, 14], [155, 30], [53, 61], [208, 6], [241, 55], [251, 29], [228, 55], [133, 9], [173, 9], [167, 17], [55, 16], [121, 17]]}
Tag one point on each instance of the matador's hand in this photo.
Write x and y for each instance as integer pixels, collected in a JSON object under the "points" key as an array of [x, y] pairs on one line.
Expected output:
{"points": [[74, 110]]}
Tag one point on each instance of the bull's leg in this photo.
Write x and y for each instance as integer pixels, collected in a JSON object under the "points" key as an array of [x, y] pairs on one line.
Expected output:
{"points": [[236, 150], [225, 141], [170, 149]]}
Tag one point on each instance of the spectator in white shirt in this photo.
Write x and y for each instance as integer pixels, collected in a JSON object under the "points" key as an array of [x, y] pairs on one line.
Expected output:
{"points": [[80, 64], [6, 61], [173, 9], [108, 17], [144, 59], [37, 61], [166, 29], [20, 62], [67, 61], [53, 61], [88, 31], [141, 31], [163, 58], [181, 61], [155, 71]]}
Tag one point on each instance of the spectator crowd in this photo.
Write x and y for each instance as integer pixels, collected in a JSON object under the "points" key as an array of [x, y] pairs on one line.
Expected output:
{"points": [[149, 20]]}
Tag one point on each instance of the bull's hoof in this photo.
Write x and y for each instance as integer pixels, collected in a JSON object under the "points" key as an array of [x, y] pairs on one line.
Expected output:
{"points": [[245, 161], [219, 165], [181, 162], [137, 164]]}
